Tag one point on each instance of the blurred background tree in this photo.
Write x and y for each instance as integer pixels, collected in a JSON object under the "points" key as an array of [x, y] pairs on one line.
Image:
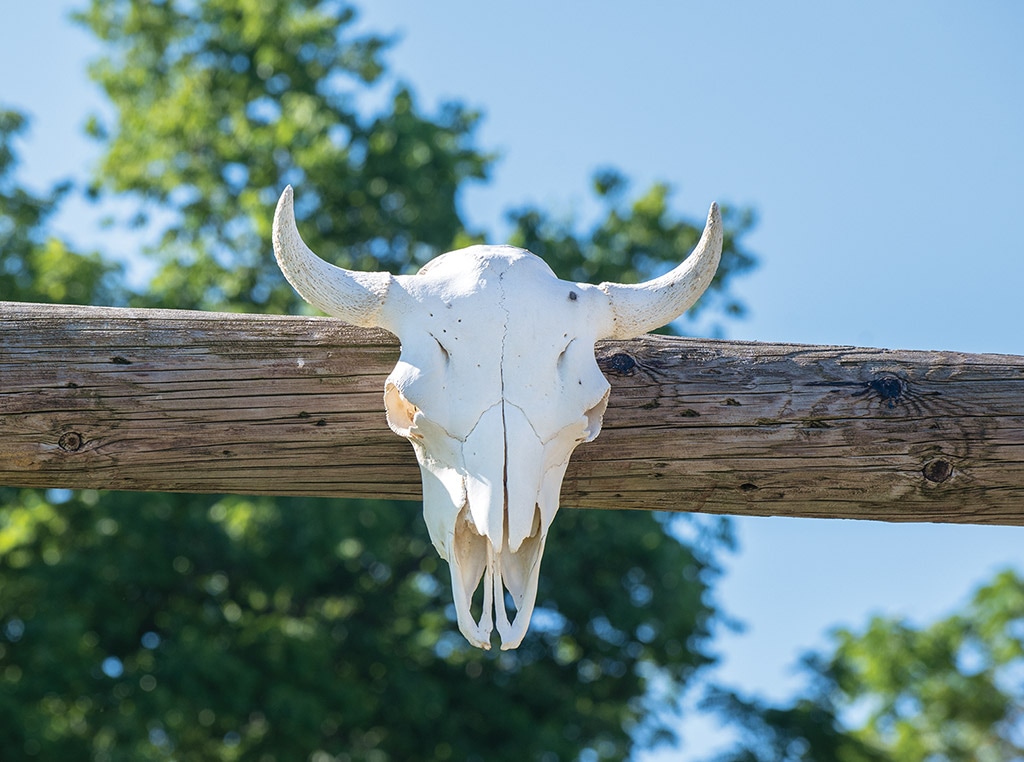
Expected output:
{"points": [[34, 265], [158, 627], [951, 691]]}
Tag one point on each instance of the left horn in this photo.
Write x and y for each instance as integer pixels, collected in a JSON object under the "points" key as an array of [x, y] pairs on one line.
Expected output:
{"points": [[355, 297], [639, 308]]}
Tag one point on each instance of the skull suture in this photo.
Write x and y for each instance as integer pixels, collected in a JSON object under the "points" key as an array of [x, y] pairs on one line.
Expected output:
{"points": [[495, 387]]}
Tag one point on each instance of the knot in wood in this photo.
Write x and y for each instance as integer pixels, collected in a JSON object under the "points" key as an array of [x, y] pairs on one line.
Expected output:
{"points": [[620, 364], [70, 441], [937, 470], [888, 388]]}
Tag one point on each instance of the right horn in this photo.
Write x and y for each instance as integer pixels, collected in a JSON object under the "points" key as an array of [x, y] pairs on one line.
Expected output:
{"points": [[639, 308], [355, 297]]}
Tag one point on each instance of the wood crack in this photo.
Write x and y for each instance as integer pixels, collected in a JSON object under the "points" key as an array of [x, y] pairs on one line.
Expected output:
{"points": [[216, 403]]}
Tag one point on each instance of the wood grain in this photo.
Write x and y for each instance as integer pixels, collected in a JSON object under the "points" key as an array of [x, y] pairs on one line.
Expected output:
{"points": [[164, 400]]}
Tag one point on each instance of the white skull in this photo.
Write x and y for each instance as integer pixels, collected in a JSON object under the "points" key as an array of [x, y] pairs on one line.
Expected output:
{"points": [[495, 387]]}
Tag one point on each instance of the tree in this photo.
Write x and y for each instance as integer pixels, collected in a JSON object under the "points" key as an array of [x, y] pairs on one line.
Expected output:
{"points": [[946, 692], [221, 103], [216, 627], [37, 267]]}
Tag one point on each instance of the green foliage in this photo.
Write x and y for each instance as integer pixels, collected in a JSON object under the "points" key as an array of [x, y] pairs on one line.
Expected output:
{"points": [[34, 266], [948, 692], [221, 103], [159, 627]]}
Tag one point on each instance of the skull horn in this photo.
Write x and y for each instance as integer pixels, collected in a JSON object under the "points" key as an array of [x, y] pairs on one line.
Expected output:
{"points": [[639, 308], [355, 297]]}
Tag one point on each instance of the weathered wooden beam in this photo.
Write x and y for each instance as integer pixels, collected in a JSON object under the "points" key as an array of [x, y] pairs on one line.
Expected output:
{"points": [[165, 400]]}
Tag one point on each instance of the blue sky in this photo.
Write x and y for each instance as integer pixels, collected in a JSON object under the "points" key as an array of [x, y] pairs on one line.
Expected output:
{"points": [[881, 144]]}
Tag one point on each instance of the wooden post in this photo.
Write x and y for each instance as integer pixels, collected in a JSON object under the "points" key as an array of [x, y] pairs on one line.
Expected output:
{"points": [[165, 400]]}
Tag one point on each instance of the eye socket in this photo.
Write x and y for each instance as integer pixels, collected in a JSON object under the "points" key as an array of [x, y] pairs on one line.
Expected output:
{"points": [[401, 413], [444, 352], [560, 362]]}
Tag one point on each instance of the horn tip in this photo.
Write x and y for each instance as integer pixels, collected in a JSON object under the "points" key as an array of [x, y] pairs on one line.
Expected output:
{"points": [[284, 206], [714, 214]]}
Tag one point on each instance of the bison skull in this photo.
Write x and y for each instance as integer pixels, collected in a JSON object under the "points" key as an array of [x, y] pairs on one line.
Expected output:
{"points": [[495, 387]]}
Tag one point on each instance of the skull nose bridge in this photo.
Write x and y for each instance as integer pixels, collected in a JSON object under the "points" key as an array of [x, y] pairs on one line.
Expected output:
{"points": [[483, 455], [524, 473], [504, 461]]}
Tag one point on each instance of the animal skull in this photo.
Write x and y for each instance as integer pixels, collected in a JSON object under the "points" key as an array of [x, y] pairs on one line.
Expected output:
{"points": [[495, 387]]}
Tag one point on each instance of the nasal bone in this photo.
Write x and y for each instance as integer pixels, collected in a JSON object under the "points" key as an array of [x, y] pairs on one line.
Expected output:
{"points": [[504, 467], [483, 454]]}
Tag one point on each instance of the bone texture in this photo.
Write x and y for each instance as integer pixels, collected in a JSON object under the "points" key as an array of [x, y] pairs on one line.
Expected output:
{"points": [[495, 388], [642, 307]]}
